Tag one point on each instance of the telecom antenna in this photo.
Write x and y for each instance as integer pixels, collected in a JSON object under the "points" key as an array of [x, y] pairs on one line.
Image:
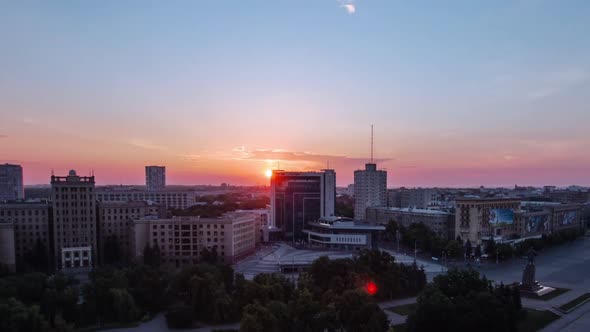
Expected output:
{"points": [[371, 144]]}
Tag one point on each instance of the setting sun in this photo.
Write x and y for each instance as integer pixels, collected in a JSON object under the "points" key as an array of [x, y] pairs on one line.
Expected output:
{"points": [[268, 173]]}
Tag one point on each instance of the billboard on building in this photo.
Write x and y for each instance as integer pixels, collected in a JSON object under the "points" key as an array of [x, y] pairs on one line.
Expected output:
{"points": [[537, 224], [501, 217], [567, 218]]}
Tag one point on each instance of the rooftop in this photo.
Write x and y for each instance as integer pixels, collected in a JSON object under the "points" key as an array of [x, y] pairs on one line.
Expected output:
{"points": [[473, 198], [411, 210], [335, 222]]}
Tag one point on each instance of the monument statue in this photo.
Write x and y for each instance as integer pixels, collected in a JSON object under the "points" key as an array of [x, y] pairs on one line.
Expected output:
{"points": [[531, 255], [529, 284]]}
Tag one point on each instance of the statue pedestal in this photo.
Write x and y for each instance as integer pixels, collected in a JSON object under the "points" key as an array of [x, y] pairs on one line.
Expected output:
{"points": [[531, 287]]}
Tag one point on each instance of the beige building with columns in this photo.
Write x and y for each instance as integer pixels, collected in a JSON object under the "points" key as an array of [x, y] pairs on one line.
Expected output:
{"points": [[74, 219]]}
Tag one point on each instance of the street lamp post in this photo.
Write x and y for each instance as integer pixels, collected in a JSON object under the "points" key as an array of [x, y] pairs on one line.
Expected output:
{"points": [[497, 255]]}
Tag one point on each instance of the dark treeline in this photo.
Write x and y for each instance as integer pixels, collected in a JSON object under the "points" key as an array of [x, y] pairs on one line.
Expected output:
{"points": [[231, 202], [330, 297], [420, 236], [462, 301]]}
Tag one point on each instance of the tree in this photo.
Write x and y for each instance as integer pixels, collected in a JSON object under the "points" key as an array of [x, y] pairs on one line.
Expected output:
{"points": [[37, 259], [462, 301], [123, 305], [454, 249], [209, 255], [148, 286], [392, 230], [491, 247], [358, 313], [179, 317], [257, 318], [478, 251], [151, 256], [17, 317], [112, 251], [468, 248], [505, 250]]}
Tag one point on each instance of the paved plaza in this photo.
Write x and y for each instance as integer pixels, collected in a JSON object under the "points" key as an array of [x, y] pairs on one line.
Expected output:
{"points": [[268, 259], [566, 266]]}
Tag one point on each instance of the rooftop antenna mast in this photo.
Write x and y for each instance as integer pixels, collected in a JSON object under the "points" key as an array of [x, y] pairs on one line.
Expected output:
{"points": [[371, 144]]}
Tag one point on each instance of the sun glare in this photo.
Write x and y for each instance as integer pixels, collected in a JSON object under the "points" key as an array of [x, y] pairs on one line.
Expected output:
{"points": [[268, 173]]}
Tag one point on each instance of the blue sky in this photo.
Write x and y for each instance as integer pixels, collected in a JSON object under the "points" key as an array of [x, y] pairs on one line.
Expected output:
{"points": [[495, 89]]}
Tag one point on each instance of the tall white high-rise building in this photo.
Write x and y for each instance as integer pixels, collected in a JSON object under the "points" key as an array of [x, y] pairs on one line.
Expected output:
{"points": [[155, 178], [370, 189], [11, 182], [74, 220]]}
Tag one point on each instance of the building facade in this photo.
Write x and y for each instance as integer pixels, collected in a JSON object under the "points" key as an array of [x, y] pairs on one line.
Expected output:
{"points": [[441, 223], [567, 196], [370, 189], [538, 218], [170, 199], [181, 240], [74, 219], [11, 182], [343, 233], [155, 178], [115, 223], [301, 197], [7, 245], [420, 198], [31, 223], [480, 219]]}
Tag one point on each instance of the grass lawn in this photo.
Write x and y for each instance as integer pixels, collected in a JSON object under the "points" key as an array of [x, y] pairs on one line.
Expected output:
{"points": [[534, 320], [548, 296], [571, 304], [404, 309]]}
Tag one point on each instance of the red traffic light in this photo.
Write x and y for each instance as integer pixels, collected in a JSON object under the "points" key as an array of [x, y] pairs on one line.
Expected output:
{"points": [[371, 288]]}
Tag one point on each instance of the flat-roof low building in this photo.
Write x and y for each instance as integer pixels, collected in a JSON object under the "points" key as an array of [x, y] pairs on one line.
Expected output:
{"points": [[342, 233], [440, 222], [538, 218]]}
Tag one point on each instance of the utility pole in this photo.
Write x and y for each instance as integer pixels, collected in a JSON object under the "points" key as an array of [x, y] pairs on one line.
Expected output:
{"points": [[415, 249]]}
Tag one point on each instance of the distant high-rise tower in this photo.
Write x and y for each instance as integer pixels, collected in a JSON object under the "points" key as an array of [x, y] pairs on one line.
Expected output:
{"points": [[155, 178], [370, 187], [300, 197], [11, 182], [74, 220]]}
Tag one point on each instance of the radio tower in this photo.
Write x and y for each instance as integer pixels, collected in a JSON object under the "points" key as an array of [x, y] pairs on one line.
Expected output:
{"points": [[371, 144]]}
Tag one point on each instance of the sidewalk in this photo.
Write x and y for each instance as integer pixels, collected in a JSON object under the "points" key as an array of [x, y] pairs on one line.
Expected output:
{"points": [[396, 319]]}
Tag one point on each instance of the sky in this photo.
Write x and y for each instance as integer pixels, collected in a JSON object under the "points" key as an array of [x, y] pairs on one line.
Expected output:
{"points": [[460, 93]]}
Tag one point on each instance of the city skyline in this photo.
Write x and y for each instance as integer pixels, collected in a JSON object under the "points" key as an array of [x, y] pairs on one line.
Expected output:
{"points": [[491, 94]]}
